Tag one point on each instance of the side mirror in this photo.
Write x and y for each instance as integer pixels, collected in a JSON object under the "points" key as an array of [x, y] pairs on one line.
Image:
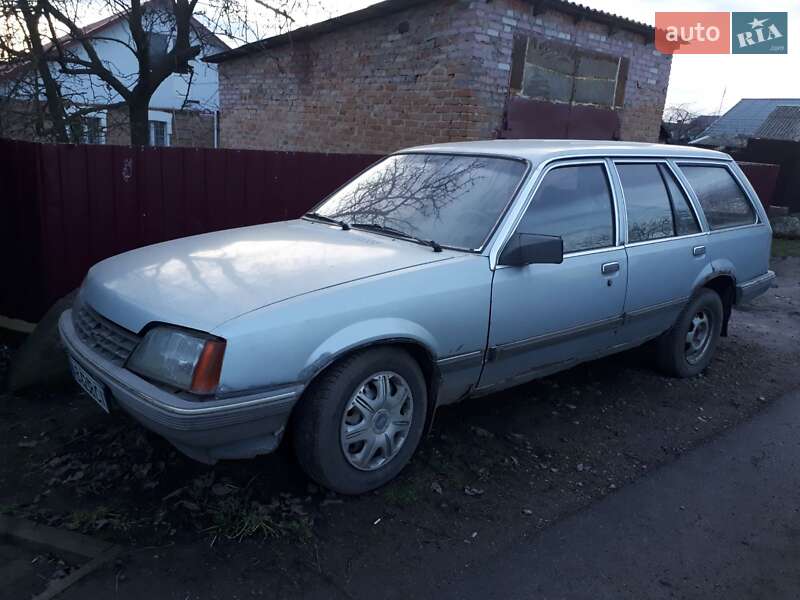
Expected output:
{"points": [[528, 248]]}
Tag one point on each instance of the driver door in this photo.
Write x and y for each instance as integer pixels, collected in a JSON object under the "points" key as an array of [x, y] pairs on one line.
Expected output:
{"points": [[546, 316]]}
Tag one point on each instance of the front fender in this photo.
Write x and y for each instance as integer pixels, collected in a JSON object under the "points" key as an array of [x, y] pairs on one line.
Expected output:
{"points": [[366, 333], [442, 307]]}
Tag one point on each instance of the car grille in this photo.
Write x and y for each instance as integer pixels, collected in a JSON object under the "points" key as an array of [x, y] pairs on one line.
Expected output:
{"points": [[101, 335]]}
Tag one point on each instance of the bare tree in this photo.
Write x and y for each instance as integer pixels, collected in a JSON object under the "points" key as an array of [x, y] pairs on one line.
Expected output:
{"points": [[45, 38], [681, 117]]}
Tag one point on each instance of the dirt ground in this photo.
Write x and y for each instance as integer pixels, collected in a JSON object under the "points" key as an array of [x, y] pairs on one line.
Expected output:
{"points": [[493, 470]]}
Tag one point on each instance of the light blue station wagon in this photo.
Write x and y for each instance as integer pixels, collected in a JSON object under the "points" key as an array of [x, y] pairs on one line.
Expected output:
{"points": [[441, 272]]}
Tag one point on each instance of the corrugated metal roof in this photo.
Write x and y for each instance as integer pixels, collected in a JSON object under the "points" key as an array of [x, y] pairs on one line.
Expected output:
{"points": [[742, 121], [388, 7], [783, 123]]}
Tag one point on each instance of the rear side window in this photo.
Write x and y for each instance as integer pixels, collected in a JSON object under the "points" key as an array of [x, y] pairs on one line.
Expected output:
{"points": [[649, 209], [723, 201], [573, 202]]}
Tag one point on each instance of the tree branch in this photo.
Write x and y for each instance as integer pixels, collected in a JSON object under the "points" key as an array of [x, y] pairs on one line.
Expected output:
{"points": [[77, 34]]}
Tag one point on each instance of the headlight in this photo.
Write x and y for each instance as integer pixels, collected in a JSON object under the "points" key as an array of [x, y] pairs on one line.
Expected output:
{"points": [[188, 360]]}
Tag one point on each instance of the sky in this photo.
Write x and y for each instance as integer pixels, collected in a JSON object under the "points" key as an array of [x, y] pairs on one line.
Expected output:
{"points": [[704, 84], [708, 83]]}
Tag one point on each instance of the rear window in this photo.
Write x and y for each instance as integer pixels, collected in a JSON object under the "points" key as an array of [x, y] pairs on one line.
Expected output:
{"points": [[723, 201]]}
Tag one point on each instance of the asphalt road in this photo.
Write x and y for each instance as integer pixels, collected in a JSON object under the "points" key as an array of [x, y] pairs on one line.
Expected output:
{"points": [[723, 521]]}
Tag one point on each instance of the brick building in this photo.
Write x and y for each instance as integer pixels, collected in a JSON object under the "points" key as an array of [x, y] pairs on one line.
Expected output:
{"points": [[406, 72]]}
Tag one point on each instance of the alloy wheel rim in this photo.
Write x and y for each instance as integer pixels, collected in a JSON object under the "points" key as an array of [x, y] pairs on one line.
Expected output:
{"points": [[376, 421], [698, 337]]}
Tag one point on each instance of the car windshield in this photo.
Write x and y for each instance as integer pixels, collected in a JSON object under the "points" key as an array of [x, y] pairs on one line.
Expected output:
{"points": [[454, 200]]}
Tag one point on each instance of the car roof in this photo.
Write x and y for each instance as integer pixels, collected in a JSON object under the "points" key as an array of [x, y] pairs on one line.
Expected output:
{"points": [[537, 151]]}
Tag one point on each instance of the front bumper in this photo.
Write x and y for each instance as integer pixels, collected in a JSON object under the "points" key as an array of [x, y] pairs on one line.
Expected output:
{"points": [[748, 290], [220, 428]]}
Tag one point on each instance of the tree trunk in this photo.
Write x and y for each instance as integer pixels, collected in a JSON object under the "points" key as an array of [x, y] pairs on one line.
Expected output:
{"points": [[55, 103], [138, 114]]}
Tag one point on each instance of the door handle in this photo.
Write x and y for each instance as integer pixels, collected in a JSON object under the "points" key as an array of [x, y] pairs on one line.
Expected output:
{"points": [[699, 250], [609, 268]]}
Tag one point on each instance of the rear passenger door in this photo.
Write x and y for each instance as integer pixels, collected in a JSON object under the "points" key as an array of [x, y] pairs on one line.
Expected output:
{"points": [[665, 245]]}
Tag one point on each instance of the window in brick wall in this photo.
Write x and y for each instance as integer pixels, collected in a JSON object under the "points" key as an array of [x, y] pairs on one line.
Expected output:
{"points": [[556, 72], [93, 130], [87, 128], [158, 133]]}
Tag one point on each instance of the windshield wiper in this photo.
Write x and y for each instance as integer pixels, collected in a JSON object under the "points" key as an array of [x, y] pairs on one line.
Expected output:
{"points": [[436, 247], [319, 217]]}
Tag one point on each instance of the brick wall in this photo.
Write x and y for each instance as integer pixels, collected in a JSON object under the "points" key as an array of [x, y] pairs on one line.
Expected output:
{"points": [[118, 131], [192, 129], [648, 75], [366, 88], [21, 120], [189, 128], [370, 88]]}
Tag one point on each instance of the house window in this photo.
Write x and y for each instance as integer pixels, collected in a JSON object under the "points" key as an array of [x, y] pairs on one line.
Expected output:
{"points": [[93, 130], [157, 46], [548, 70], [87, 128], [159, 136]]}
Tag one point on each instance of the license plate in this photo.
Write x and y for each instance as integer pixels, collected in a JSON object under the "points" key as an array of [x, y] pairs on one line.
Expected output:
{"points": [[90, 385]]}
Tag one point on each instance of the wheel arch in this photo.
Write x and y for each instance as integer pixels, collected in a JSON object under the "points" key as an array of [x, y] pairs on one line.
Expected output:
{"points": [[421, 351], [724, 284]]}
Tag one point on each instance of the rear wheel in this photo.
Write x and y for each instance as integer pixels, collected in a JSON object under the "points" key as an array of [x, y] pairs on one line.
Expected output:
{"points": [[359, 424], [687, 348]]}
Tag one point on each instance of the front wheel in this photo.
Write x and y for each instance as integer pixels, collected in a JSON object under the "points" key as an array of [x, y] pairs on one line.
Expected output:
{"points": [[687, 348], [358, 425]]}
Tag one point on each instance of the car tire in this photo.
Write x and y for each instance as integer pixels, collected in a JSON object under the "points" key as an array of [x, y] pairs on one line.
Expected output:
{"points": [[337, 405], [688, 347]]}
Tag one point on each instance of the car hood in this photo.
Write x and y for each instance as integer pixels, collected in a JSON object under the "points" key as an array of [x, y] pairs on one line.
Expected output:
{"points": [[205, 280]]}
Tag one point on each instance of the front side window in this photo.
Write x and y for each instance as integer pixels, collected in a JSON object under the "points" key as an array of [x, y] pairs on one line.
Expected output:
{"points": [[453, 199], [649, 209], [573, 202], [723, 201]]}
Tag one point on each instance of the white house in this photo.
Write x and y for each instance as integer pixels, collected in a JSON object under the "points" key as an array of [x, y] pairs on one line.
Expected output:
{"points": [[184, 108]]}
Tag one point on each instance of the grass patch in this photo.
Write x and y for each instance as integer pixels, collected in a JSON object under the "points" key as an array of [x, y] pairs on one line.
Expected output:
{"points": [[239, 518], [98, 518], [401, 494], [782, 247], [8, 509]]}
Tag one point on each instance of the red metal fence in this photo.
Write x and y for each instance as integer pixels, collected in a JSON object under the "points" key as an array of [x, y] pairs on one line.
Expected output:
{"points": [[65, 207], [764, 179]]}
